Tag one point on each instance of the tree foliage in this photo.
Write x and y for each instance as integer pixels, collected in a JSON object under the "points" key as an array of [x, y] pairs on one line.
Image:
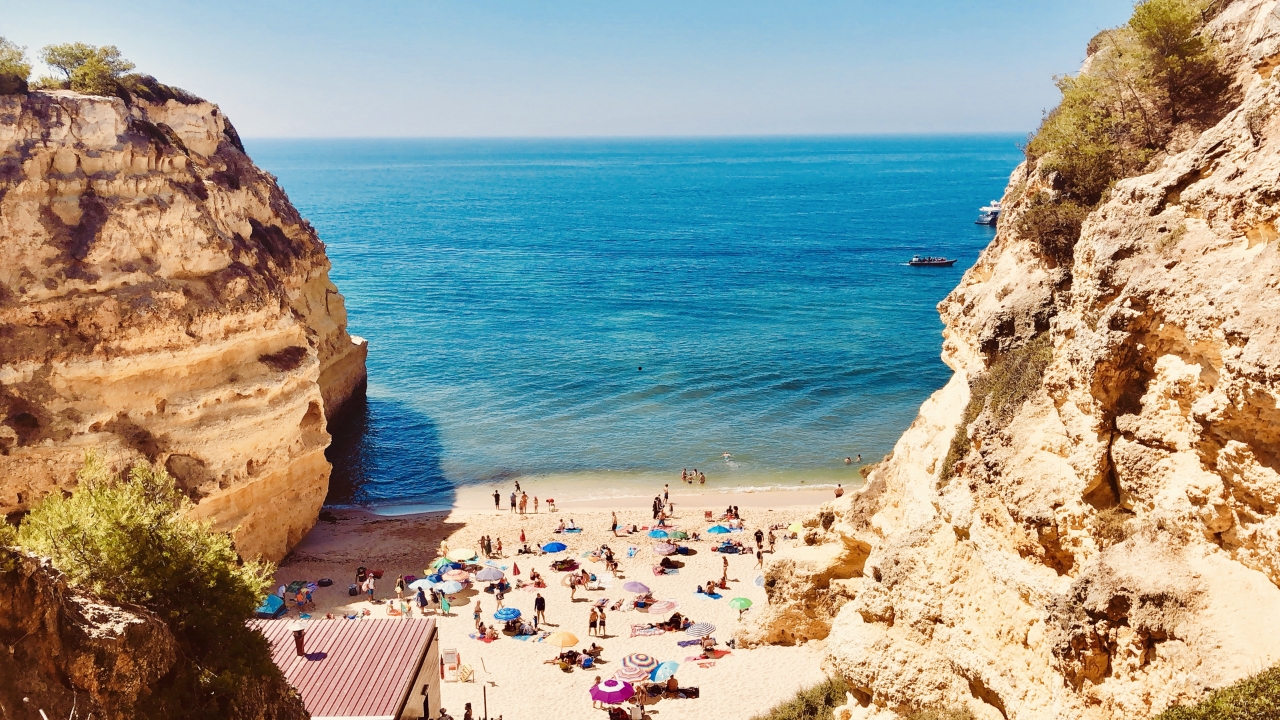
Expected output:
{"points": [[13, 59], [128, 540], [1142, 81], [94, 70], [814, 703]]}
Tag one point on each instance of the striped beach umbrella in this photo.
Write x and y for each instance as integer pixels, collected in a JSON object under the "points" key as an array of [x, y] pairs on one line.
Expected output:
{"points": [[506, 613], [631, 675], [700, 629], [665, 549], [640, 661], [662, 607], [457, 575]]}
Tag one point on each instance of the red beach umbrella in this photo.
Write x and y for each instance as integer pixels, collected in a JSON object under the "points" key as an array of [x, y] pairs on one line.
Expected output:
{"points": [[515, 569]]}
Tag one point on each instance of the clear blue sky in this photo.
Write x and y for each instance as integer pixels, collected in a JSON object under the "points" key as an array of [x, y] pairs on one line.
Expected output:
{"points": [[609, 67]]}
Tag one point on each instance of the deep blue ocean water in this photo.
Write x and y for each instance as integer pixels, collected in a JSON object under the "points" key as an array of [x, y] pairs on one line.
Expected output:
{"points": [[512, 290]]}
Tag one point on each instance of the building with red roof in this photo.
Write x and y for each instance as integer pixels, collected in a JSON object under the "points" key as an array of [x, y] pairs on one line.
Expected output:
{"points": [[383, 669]]}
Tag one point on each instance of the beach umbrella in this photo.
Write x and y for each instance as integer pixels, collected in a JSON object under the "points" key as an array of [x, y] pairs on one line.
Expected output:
{"points": [[554, 547], [562, 639], [440, 561], [679, 535], [461, 554], [640, 661], [522, 535], [457, 575], [717, 529], [656, 533], [740, 603], [664, 671], [662, 607], [700, 629], [515, 569], [449, 587], [665, 549], [631, 675], [795, 527], [489, 575], [759, 581], [423, 584], [612, 692], [638, 588], [506, 613]]}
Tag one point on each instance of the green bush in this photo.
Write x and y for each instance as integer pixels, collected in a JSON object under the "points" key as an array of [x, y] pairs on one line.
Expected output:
{"points": [[931, 714], [13, 59], [815, 703], [1255, 698], [1143, 80], [1001, 390], [129, 540], [88, 69]]}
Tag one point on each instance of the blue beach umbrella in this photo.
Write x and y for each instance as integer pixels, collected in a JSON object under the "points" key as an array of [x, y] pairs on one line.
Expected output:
{"points": [[554, 547], [506, 613], [423, 584], [717, 530], [664, 671], [655, 533], [449, 587]]}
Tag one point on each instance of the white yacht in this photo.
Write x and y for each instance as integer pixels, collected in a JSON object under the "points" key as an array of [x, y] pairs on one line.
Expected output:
{"points": [[989, 214]]}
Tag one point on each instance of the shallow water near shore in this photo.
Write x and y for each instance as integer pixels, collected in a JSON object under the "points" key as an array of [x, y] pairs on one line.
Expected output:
{"points": [[599, 314]]}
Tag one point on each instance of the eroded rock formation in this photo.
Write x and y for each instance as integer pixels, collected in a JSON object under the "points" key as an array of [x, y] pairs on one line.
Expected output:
{"points": [[160, 297], [1110, 546]]}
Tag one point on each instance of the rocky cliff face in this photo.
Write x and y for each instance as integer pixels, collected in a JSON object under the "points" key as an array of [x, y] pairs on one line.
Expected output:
{"points": [[160, 296], [1110, 543]]}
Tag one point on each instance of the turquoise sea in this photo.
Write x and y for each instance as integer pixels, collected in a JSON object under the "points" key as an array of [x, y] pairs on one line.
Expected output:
{"points": [[621, 309]]}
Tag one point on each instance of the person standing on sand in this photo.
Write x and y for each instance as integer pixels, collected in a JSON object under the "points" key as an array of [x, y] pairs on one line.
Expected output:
{"points": [[666, 492], [759, 562], [540, 608], [517, 486], [772, 539], [724, 578], [400, 588], [513, 502], [497, 500], [759, 539], [475, 614], [535, 504], [600, 631], [524, 502], [498, 549], [592, 622], [466, 714], [613, 527], [368, 587], [497, 596]]}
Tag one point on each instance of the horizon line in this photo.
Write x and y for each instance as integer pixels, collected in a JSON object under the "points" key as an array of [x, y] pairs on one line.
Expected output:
{"points": [[729, 136]]}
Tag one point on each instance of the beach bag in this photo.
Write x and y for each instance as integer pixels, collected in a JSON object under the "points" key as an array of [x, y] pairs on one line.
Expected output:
{"points": [[324, 582], [353, 590]]}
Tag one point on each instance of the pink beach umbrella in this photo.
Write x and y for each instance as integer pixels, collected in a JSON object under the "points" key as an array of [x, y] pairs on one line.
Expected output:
{"points": [[612, 691], [631, 674], [665, 549], [457, 575], [662, 607]]}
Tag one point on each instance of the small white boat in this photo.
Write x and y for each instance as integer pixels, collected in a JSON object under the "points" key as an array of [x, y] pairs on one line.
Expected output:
{"points": [[990, 214]]}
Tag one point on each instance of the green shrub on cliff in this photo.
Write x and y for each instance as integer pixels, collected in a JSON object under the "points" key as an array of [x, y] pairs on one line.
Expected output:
{"points": [[14, 68], [128, 540], [93, 70], [1255, 698], [815, 703], [1143, 80]]}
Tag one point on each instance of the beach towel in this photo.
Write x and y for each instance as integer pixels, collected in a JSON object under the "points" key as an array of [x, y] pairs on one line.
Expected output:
{"points": [[712, 596], [687, 643], [573, 530], [631, 551], [641, 630], [707, 664], [521, 637]]}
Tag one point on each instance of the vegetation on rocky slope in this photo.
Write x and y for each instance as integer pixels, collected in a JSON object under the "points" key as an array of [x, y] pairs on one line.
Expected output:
{"points": [[814, 703], [1142, 81], [1001, 390], [1255, 698], [84, 68], [127, 539]]}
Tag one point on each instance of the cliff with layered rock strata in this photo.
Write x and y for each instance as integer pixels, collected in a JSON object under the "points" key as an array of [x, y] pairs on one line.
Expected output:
{"points": [[1106, 543], [160, 297]]}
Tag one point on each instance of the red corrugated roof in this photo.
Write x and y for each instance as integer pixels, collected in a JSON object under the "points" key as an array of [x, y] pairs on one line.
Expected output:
{"points": [[353, 668]]}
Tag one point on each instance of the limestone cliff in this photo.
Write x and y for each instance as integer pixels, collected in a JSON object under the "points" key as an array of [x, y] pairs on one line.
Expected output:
{"points": [[1109, 544], [160, 296]]}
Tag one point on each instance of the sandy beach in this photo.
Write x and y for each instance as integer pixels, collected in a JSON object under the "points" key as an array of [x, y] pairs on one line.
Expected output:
{"points": [[512, 672]]}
